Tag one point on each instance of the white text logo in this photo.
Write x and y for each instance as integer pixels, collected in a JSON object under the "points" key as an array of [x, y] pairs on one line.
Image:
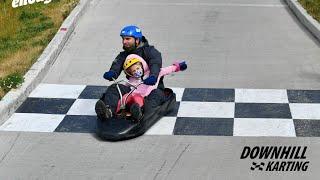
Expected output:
{"points": [[19, 3]]}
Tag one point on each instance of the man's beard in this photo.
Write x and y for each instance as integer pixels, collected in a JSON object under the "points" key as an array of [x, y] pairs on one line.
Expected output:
{"points": [[129, 49]]}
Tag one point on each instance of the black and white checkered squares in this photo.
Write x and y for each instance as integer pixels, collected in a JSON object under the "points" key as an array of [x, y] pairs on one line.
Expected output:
{"points": [[199, 111], [257, 166]]}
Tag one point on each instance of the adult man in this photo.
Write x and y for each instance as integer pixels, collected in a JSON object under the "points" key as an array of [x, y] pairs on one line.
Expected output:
{"points": [[133, 43]]}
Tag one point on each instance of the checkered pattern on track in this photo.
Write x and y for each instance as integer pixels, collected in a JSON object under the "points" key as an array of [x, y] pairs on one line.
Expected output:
{"points": [[199, 111]]}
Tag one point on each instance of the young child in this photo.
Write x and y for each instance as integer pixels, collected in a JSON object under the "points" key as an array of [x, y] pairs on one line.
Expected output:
{"points": [[137, 69]]}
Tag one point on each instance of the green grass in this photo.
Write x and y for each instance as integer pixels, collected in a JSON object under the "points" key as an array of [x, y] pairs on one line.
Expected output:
{"points": [[31, 24], [312, 7], [24, 33]]}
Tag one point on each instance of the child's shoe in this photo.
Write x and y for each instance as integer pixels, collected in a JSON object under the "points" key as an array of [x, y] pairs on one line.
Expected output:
{"points": [[103, 111], [136, 111]]}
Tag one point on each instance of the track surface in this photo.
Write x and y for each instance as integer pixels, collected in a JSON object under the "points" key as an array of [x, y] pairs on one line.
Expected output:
{"points": [[227, 44]]}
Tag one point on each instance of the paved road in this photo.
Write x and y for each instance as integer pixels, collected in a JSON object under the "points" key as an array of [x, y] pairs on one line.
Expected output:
{"points": [[82, 156], [228, 44]]}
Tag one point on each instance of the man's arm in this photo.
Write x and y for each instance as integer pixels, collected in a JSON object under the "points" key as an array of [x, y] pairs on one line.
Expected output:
{"points": [[155, 61], [118, 63]]}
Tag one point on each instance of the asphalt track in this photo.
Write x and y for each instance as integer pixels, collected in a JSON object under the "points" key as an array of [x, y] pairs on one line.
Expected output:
{"points": [[227, 44]]}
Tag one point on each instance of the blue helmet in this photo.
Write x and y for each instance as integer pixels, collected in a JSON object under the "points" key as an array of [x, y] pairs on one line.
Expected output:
{"points": [[132, 31]]}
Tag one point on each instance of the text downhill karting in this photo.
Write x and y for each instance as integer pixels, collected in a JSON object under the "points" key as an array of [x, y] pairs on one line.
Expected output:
{"points": [[286, 158]]}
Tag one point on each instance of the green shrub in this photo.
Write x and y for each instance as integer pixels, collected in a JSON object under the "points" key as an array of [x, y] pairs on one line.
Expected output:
{"points": [[11, 81]]}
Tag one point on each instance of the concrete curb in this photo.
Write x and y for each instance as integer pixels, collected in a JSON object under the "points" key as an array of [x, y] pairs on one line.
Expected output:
{"points": [[13, 99], [312, 25]]}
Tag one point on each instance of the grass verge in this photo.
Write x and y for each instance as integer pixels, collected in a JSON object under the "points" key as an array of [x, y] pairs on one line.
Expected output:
{"points": [[24, 33], [312, 7]]}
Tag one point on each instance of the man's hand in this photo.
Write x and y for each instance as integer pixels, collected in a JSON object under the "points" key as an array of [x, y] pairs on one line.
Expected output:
{"points": [[109, 75], [151, 80]]}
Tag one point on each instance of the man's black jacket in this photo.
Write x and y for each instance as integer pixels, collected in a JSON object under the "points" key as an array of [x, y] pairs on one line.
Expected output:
{"points": [[150, 54]]}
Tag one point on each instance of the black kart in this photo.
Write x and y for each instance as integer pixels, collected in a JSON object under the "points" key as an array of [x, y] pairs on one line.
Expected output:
{"points": [[122, 126]]}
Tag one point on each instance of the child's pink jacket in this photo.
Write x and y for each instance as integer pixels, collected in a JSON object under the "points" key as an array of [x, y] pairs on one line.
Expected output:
{"points": [[143, 89]]}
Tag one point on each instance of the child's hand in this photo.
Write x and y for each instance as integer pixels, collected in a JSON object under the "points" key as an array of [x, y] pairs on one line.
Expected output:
{"points": [[183, 66]]}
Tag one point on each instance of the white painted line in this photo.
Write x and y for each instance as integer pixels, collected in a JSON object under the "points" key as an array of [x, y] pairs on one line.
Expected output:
{"points": [[164, 126], [206, 109], [83, 107], [305, 111], [32, 122], [179, 93], [261, 96], [57, 91], [263, 127]]}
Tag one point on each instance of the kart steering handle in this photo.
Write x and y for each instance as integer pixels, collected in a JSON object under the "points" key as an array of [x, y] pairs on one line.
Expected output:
{"points": [[127, 82], [122, 105]]}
